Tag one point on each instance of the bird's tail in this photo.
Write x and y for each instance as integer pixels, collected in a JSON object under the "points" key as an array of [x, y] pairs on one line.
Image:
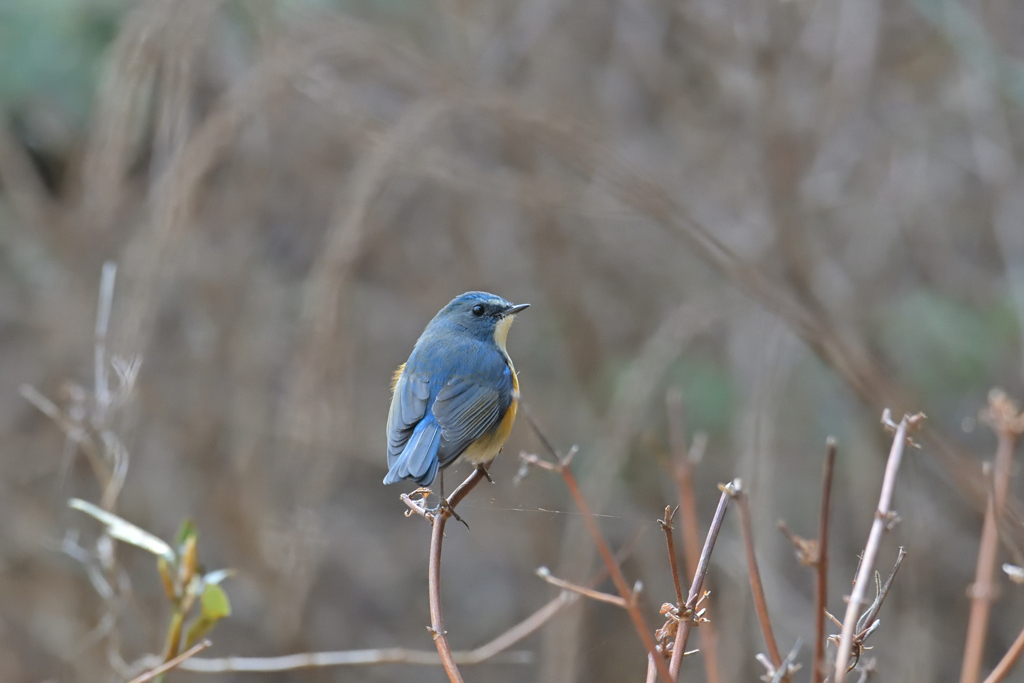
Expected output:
{"points": [[418, 460]]}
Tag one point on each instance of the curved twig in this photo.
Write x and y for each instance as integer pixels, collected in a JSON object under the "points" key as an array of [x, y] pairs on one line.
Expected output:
{"points": [[438, 521]]}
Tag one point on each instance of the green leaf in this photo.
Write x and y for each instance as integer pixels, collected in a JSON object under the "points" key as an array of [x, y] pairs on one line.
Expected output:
{"points": [[186, 531], [124, 530], [214, 606], [215, 603]]}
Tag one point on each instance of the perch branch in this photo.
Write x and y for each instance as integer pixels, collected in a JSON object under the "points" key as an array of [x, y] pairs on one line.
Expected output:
{"points": [[438, 520]]}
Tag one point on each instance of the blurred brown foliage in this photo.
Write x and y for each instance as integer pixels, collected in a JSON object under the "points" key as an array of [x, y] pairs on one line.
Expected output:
{"points": [[795, 212]]}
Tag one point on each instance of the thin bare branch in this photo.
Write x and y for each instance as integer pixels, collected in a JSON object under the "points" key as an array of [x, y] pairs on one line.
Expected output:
{"points": [[1008, 660], [438, 520], [612, 565], [685, 459], [384, 655], [883, 518], [493, 651], [687, 618], [172, 663], [754, 575], [666, 526], [545, 573]]}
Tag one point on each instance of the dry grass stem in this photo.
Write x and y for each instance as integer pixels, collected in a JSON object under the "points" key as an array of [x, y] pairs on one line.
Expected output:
{"points": [[883, 518], [688, 616], [1007, 421]]}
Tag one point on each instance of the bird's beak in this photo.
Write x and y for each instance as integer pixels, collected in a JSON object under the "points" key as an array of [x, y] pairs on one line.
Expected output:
{"points": [[512, 310]]}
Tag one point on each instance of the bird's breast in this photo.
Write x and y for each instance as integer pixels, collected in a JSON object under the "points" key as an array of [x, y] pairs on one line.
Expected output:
{"points": [[489, 445]]}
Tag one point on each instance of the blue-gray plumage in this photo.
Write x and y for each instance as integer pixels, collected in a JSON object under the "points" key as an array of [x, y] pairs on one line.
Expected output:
{"points": [[457, 393]]}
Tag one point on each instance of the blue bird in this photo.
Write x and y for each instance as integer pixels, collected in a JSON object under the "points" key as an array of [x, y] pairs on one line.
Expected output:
{"points": [[457, 393]]}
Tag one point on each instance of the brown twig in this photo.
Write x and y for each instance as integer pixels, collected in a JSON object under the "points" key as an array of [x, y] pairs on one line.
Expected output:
{"points": [[606, 554], [438, 520], [1008, 660], [685, 459], [883, 519], [821, 566], [434, 582], [1002, 415], [683, 634], [171, 663], [754, 575], [602, 546], [666, 526], [545, 573]]}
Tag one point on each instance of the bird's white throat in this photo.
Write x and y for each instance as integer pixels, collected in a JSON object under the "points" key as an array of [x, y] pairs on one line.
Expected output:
{"points": [[501, 332]]}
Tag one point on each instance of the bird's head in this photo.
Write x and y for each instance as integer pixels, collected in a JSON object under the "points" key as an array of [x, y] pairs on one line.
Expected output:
{"points": [[483, 315]]}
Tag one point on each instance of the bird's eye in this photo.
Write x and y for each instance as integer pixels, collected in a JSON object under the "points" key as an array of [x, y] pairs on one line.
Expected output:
{"points": [[478, 310]]}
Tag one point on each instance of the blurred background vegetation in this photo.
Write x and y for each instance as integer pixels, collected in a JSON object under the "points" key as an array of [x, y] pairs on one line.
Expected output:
{"points": [[795, 212]]}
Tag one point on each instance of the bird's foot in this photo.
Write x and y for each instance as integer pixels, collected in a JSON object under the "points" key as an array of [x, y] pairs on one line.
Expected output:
{"points": [[442, 506]]}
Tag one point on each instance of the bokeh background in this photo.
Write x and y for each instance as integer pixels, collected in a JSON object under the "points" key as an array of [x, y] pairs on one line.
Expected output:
{"points": [[793, 212]]}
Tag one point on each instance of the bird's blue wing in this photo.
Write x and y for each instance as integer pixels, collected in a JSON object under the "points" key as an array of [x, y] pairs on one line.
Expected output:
{"points": [[467, 407], [408, 408], [418, 461]]}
